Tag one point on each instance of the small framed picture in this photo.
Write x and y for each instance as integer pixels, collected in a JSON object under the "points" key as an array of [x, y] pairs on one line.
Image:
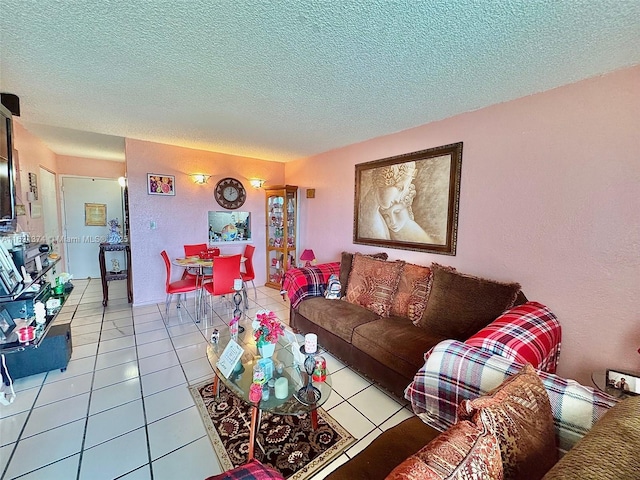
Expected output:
{"points": [[624, 382], [95, 214], [160, 184]]}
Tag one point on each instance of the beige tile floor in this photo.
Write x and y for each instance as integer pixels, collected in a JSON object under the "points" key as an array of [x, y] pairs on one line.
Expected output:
{"points": [[122, 408]]}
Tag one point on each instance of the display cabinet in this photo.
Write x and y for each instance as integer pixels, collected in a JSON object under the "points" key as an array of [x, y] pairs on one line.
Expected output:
{"points": [[282, 235]]}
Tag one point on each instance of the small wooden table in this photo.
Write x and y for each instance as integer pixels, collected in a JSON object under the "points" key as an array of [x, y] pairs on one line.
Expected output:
{"points": [[121, 275]]}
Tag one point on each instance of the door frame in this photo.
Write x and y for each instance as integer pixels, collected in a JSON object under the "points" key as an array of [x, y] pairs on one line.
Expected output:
{"points": [[63, 215]]}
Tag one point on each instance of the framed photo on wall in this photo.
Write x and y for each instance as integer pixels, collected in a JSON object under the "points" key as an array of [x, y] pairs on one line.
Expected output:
{"points": [[410, 201], [159, 184], [95, 214]]}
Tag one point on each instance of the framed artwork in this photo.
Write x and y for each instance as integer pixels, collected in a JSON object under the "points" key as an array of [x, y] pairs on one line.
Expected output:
{"points": [[158, 184], [410, 201], [95, 214]]}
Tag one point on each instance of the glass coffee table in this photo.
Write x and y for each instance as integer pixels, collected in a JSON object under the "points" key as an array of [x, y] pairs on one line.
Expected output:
{"points": [[286, 363]]}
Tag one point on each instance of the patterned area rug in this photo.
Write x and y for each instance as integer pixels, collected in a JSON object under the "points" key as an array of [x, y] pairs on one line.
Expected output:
{"points": [[285, 442]]}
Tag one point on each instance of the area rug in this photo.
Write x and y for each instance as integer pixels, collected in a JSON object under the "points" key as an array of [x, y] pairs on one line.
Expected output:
{"points": [[287, 443]]}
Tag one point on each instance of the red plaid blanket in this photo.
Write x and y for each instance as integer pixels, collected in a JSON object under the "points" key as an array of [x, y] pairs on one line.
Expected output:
{"points": [[300, 283], [528, 333], [454, 372]]}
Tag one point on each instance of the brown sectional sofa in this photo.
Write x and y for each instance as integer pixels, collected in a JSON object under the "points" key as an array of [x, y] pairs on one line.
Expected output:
{"points": [[596, 435], [389, 350]]}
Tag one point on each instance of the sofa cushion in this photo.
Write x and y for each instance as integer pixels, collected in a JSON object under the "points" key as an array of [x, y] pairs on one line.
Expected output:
{"points": [[410, 299], [464, 452], [395, 342], [373, 283], [518, 413], [459, 305], [528, 333], [336, 316], [609, 451], [346, 261]]}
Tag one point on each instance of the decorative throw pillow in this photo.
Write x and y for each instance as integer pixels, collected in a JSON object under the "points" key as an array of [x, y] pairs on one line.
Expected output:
{"points": [[373, 283], [345, 268], [411, 298], [459, 305], [463, 452], [518, 413]]}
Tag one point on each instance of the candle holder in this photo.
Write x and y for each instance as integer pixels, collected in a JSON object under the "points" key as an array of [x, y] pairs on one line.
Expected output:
{"points": [[237, 312], [309, 395]]}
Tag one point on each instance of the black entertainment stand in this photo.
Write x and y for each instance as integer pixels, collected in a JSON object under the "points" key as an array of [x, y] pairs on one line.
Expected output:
{"points": [[51, 348]]}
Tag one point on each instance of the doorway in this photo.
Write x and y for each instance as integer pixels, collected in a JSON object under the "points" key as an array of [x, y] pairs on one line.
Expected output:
{"points": [[50, 208], [83, 235]]}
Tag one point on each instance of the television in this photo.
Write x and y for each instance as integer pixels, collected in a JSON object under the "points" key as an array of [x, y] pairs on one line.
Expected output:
{"points": [[7, 174]]}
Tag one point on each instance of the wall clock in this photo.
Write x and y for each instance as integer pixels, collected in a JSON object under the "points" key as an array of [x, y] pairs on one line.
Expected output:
{"points": [[230, 193]]}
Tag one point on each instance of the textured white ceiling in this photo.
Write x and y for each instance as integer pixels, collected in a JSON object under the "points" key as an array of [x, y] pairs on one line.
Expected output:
{"points": [[279, 80]]}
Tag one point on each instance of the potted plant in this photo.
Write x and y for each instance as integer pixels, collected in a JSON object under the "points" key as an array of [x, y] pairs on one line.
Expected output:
{"points": [[267, 329]]}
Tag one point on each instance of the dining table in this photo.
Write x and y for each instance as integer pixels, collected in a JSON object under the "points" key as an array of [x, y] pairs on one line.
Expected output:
{"points": [[198, 265]]}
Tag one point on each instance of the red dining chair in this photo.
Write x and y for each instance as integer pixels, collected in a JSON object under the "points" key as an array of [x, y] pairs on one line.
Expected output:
{"points": [[179, 287], [225, 270], [249, 274]]}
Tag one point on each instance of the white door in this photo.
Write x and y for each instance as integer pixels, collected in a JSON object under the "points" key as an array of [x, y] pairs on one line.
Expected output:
{"points": [[82, 241], [50, 208]]}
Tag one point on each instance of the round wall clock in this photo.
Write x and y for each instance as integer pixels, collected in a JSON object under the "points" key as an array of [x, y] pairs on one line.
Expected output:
{"points": [[230, 193]]}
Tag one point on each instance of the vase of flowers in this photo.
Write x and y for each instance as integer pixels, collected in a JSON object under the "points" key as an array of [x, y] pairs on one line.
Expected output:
{"points": [[267, 329]]}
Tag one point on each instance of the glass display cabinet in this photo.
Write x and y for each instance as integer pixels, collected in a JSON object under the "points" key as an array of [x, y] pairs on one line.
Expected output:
{"points": [[282, 235]]}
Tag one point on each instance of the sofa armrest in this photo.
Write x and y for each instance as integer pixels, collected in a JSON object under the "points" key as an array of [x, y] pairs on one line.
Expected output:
{"points": [[454, 372], [300, 283], [527, 333]]}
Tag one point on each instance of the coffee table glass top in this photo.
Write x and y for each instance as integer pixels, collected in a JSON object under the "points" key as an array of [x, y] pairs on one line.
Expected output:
{"points": [[241, 378]]}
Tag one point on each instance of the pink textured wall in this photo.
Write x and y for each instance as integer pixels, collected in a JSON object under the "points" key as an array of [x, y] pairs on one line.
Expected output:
{"points": [[89, 167], [549, 198], [182, 219]]}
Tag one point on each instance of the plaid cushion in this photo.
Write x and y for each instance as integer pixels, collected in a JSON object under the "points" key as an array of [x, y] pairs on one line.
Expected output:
{"points": [[528, 333], [300, 283], [252, 470], [454, 372]]}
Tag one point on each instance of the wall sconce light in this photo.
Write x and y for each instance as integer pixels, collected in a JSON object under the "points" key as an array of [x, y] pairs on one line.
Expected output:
{"points": [[122, 181], [256, 182], [200, 178]]}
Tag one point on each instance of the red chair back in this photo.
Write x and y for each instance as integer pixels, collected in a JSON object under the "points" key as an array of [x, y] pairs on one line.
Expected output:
{"points": [[225, 271], [194, 250], [248, 264], [167, 264]]}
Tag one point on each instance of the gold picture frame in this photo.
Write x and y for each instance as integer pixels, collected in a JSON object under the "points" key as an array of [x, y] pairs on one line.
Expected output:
{"points": [[410, 201], [95, 214]]}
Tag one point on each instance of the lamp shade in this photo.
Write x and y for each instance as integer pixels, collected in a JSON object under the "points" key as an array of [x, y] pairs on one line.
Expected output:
{"points": [[308, 255]]}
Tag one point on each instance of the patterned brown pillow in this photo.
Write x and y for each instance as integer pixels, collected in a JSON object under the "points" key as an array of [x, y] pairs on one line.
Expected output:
{"points": [[411, 298], [346, 261], [459, 305], [463, 452], [373, 283], [518, 413]]}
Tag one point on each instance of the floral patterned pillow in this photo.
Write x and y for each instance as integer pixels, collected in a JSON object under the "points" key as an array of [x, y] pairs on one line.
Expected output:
{"points": [[463, 452], [373, 283], [411, 298], [518, 413]]}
